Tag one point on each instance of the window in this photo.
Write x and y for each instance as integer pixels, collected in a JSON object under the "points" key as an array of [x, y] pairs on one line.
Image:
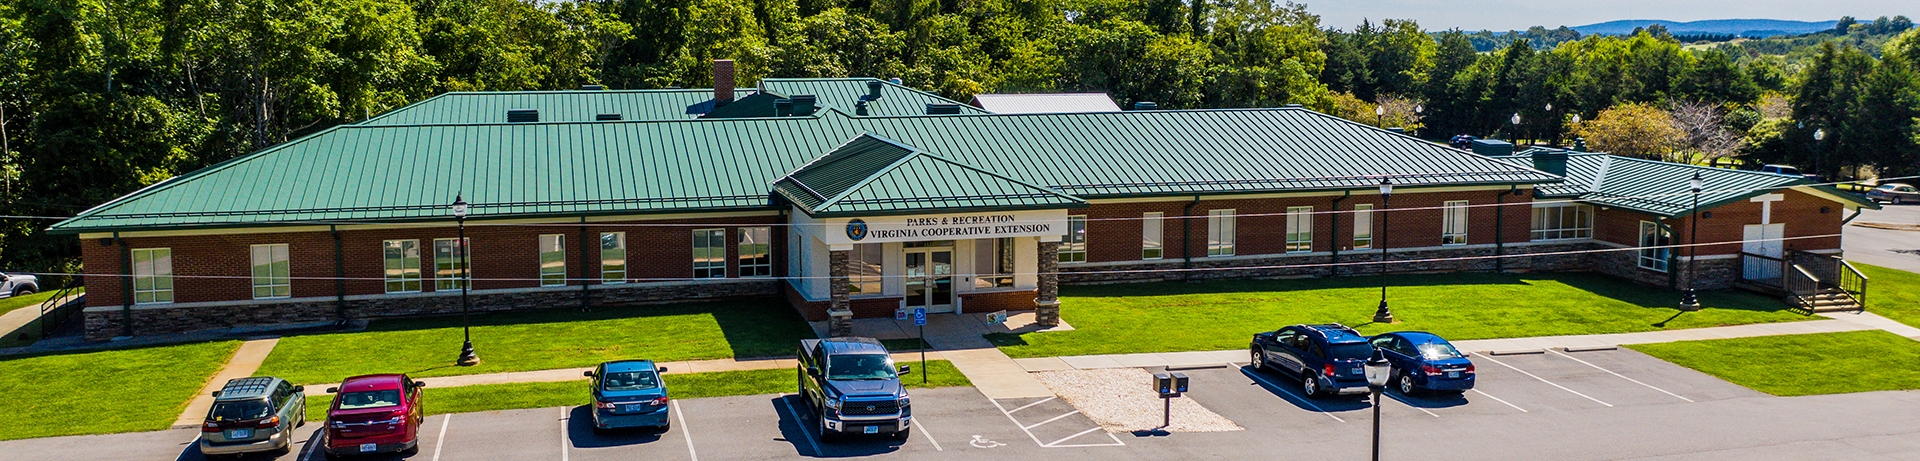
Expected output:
{"points": [[1454, 223], [864, 269], [152, 275], [1073, 246], [756, 252], [403, 265], [1363, 226], [993, 263], [270, 272], [1220, 232], [709, 253], [1563, 222], [1654, 250], [450, 264], [1151, 246], [553, 260], [613, 257], [1299, 229]]}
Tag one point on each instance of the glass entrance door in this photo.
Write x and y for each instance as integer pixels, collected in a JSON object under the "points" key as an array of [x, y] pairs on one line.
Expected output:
{"points": [[930, 278]]}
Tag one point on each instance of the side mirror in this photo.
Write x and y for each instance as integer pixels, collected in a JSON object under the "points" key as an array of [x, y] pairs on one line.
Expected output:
{"points": [[419, 384], [662, 369], [587, 374], [216, 393], [904, 369], [333, 390], [813, 371], [299, 388]]}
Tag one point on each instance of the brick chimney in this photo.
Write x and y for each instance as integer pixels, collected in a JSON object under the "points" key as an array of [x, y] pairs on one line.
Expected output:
{"points": [[722, 82]]}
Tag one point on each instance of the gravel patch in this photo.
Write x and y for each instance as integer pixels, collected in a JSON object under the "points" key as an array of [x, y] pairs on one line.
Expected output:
{"points": [[1122, 400]]}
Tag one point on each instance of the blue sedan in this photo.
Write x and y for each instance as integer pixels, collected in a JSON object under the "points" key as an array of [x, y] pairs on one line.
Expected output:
{"points": [[1423, 361], [628, 393]]}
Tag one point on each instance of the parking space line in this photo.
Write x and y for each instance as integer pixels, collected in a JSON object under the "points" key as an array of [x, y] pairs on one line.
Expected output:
{"points": [[1497, 399], [1070, 437], [1635, 381], [1409, 404], [1016, 422], [922, 423], [563, 433], [803, 429], [1544, 380], [1056, 418], [686, 432], [442, 441], [1256, 376], [1030, 405]]}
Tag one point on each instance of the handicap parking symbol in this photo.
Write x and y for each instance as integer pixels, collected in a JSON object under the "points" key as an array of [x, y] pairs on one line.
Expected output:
{"points": [[982, 442]]}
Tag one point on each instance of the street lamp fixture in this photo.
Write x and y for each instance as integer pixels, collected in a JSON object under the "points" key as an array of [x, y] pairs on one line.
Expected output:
{"points": [[1378, 369], [467, 356], [1691, 301], [1818, 136], [1383, 315], [1380, 113]]}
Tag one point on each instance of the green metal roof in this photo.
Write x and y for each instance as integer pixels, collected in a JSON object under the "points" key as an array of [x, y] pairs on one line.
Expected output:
{"points": [[843, 93], [393, 173], [467, 108], [871, 175], [1661, 188]]}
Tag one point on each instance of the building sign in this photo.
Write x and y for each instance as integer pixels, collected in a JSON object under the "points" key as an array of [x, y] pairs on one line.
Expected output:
{"points": [[957, 226]]}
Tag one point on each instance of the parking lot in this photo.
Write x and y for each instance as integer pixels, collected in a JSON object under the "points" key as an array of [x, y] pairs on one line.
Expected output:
{"points": [[1609, 404]]}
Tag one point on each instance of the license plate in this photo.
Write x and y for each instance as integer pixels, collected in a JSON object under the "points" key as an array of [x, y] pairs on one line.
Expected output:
{"points": [[1355, 371], [239, 433], [870, 430], [368, 447], [634, 407], [1453, 374]]}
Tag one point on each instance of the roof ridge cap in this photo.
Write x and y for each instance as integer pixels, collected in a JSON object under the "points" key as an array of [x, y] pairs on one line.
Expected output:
{"points": [[911, 153], [176, 180], [987, 172]]}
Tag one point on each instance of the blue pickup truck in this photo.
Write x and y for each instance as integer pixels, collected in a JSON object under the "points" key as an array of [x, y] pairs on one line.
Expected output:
{"points": [[853, 387]]}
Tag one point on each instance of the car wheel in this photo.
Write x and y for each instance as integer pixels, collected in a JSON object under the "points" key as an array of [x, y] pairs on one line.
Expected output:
{"points": [[1406, 383], [1259, 361], [23, 291], [1310, 385], [826, 436], [283, 451], [1896, 201]]}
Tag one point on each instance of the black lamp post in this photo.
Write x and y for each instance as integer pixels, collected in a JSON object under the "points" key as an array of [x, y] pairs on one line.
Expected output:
{"points": [[1691, 302], [1383, 315], [1818, 136], [1377, 369], [467, 356], [1380, 114], [1516, 126]]}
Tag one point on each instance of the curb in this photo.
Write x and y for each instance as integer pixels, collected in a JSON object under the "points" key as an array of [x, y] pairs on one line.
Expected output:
{"points": [[1516, 352], [1589, 348]]}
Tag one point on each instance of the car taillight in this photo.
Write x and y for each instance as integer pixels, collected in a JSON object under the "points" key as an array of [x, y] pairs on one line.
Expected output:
{"points": [[1430, 370], [1329, 369], [270, 422], [603, 405], [210, 427], [1469, 368], [660, 401]]}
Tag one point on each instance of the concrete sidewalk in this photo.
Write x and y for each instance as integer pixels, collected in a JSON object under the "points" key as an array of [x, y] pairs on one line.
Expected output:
{"points": [[245, 361], [12, 322], [673, 368]]}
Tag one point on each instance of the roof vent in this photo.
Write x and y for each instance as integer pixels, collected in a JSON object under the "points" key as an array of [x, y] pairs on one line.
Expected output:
{"points": [[593, 87], [873, 90], [523, 115], [1553, 162], [1146, 105], [896, 81], [803, 104], [1580, 144], [782, 107], [607, 118], [942, 109], [860, 107]]}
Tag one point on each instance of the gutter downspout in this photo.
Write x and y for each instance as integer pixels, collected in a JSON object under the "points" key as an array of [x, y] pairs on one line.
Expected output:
{"points": [[1856, 214], [339, 275], [1186, 239], [1334, 270], [1500, 229], [126, 284], [584, 249]]}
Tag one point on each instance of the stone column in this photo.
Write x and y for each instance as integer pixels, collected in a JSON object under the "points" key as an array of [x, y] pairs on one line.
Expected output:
{"points": [[1046, 307], [840, 308]]}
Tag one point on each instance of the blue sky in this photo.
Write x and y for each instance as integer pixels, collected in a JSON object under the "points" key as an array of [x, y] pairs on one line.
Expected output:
{"points": [[1501, 15]]}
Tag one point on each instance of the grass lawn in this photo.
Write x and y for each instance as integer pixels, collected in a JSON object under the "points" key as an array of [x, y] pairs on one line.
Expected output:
{"points": [[9, 304], [30, 332], [104, 392], [905, 344], [544, 339], [1219, 315], [491, 397], [1892, 293], [1822, 363]]}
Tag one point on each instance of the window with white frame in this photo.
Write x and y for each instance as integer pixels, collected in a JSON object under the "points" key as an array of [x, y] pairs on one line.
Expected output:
{"points": [[1073, 246], [553, 260], [1654, 250], [402, 265], [1454, 222], [756, 252], [1299, 229], [270, 267], [709, 253], [613, 257], [1151, 229], [865, 267], [1362, 226], [993, 263], [152, 275], [1562, 221], [450, 264], [1220, 236]]}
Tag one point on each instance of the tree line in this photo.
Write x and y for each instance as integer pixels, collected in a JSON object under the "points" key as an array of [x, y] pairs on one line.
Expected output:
{"points": [[102, 97]]}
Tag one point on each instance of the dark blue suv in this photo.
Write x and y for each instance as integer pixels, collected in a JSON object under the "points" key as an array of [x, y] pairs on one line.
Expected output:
{"points": [[1326, 358]]}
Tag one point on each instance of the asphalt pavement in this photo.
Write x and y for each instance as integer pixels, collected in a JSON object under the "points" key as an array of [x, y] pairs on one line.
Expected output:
{"points": [[1898, 249]]}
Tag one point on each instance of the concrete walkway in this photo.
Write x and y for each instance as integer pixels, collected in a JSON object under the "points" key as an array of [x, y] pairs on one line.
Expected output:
{"points": [[12, 322], [245, 361], [693, 366]]}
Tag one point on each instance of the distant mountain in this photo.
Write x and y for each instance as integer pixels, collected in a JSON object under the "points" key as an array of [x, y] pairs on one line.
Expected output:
{"points": [[1741, 27]]}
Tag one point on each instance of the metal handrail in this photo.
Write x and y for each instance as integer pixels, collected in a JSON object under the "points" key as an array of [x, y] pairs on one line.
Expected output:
{"points": [[1749, 260], [1801, 284], [1854, 283], [53, 303]]}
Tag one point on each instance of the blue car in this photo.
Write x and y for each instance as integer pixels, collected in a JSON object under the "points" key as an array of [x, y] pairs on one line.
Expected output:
{"points": [[628, 393], [1424, 362], [1326, 358]]}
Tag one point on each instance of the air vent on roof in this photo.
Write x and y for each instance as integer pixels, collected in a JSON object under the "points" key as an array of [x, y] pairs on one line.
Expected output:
{"points": [[523, 115], [1146, 105], [782, 107], [607, 118], [803, 104], [942, 109], [873, 90], [860, 107], [593, 87]]}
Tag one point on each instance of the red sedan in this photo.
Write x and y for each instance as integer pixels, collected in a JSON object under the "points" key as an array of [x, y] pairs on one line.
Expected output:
{"points": [[374, 414]]}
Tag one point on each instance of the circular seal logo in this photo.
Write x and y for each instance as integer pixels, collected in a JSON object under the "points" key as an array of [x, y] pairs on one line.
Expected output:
{"points": [[856, 229]]}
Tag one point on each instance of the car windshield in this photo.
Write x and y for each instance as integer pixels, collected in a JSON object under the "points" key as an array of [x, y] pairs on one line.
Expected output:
{"points": [[1355, 351], [862, 366], [629, 381], [239, 410], [369, 399], [1438, 351]]}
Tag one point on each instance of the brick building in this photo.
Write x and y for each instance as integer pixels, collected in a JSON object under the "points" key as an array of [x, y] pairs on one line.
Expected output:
{"points": [[860, 197]]}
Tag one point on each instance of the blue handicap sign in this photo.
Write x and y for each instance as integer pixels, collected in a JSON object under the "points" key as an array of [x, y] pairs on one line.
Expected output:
{"points": [[919, 316]]}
